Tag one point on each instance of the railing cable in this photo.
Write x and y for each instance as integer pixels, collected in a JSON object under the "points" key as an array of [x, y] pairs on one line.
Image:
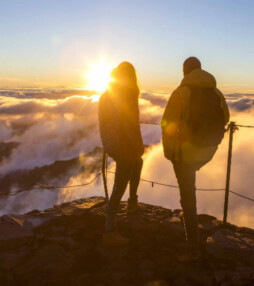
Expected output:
{"points": [[245, 126], [149, 123], [242, 196], [41, 186], [172, 186]]}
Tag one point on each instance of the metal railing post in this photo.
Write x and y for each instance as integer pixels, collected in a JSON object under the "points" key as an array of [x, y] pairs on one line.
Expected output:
{"points": [[104, 175], [232, 127]]}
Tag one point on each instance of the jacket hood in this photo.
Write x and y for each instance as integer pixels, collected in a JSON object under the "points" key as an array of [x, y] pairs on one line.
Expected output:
{"points": [[199, 77]]}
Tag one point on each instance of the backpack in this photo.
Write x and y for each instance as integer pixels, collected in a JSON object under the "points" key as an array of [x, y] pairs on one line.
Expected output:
{"points": [[206, 117]]}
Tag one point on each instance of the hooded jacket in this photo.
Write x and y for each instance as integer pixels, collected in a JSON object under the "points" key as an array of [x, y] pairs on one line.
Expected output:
{"points": [[119, 126], [176, 116]]}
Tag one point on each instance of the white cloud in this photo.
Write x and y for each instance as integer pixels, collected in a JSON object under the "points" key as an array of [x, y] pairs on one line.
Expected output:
{"points": [[63, 127]]}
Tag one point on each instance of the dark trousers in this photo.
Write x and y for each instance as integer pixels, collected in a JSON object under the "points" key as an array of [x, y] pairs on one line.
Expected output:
{"points": [[186, 177], [126, 172]]}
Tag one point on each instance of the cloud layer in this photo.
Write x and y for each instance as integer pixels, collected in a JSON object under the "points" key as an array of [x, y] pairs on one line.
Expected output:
{"points": [[60, 125]]}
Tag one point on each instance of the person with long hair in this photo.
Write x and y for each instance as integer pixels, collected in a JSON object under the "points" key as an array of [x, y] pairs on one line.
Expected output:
{"points": [[121, 138]]}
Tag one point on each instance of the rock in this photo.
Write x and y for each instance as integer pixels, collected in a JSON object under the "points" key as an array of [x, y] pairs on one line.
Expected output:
{"points": [[245, 230], [63, 246], [146, 274], [58, 229], [220, 275], [13, 234], [119, 276], [50, 265], [175, 220], [164, 260], [205, 218], [231, 257], [226, 283], [175, 226], [39, 218], [18, 219], [145, 264], [181, 282], [9, 260], [240, 276], [226, 244], [177, 212], [112, 253], [85, 279], [157, 283], [209, 227], [64, 241], [80, 206]]}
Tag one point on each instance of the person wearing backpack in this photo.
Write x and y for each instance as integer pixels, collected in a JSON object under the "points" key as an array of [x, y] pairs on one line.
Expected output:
{"points": [[121, 139], [193, 126]]}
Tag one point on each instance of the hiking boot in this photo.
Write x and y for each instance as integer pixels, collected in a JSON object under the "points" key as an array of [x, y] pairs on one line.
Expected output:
{"points": [[114, 239], [132, 206]]}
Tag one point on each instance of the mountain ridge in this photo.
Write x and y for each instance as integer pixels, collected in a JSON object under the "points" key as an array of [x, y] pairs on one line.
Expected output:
{"points": [[56, 170]]}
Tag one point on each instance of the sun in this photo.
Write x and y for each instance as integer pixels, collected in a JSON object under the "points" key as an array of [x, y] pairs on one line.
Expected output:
{"points": [[98, 76]]}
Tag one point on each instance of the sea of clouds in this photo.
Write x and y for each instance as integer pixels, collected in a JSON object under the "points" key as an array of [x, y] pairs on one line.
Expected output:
{"points": [[52, 125]]}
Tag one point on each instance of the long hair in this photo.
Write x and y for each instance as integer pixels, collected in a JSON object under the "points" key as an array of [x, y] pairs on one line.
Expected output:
{"points": [[124, 80]]}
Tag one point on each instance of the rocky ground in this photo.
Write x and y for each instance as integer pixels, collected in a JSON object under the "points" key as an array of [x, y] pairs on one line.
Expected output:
{"points": [[62, 246]]}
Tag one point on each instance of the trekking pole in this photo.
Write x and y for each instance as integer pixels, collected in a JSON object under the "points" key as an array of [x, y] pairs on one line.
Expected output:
{"points": [[232, 128], [104, 176]]}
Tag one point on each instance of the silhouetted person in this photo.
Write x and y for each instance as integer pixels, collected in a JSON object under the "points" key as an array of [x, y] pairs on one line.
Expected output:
{"points": [[121, 139], [193, 126]]}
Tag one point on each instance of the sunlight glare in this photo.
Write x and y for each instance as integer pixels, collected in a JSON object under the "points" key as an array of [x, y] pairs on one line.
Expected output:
{"points": [[99, 76]]}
